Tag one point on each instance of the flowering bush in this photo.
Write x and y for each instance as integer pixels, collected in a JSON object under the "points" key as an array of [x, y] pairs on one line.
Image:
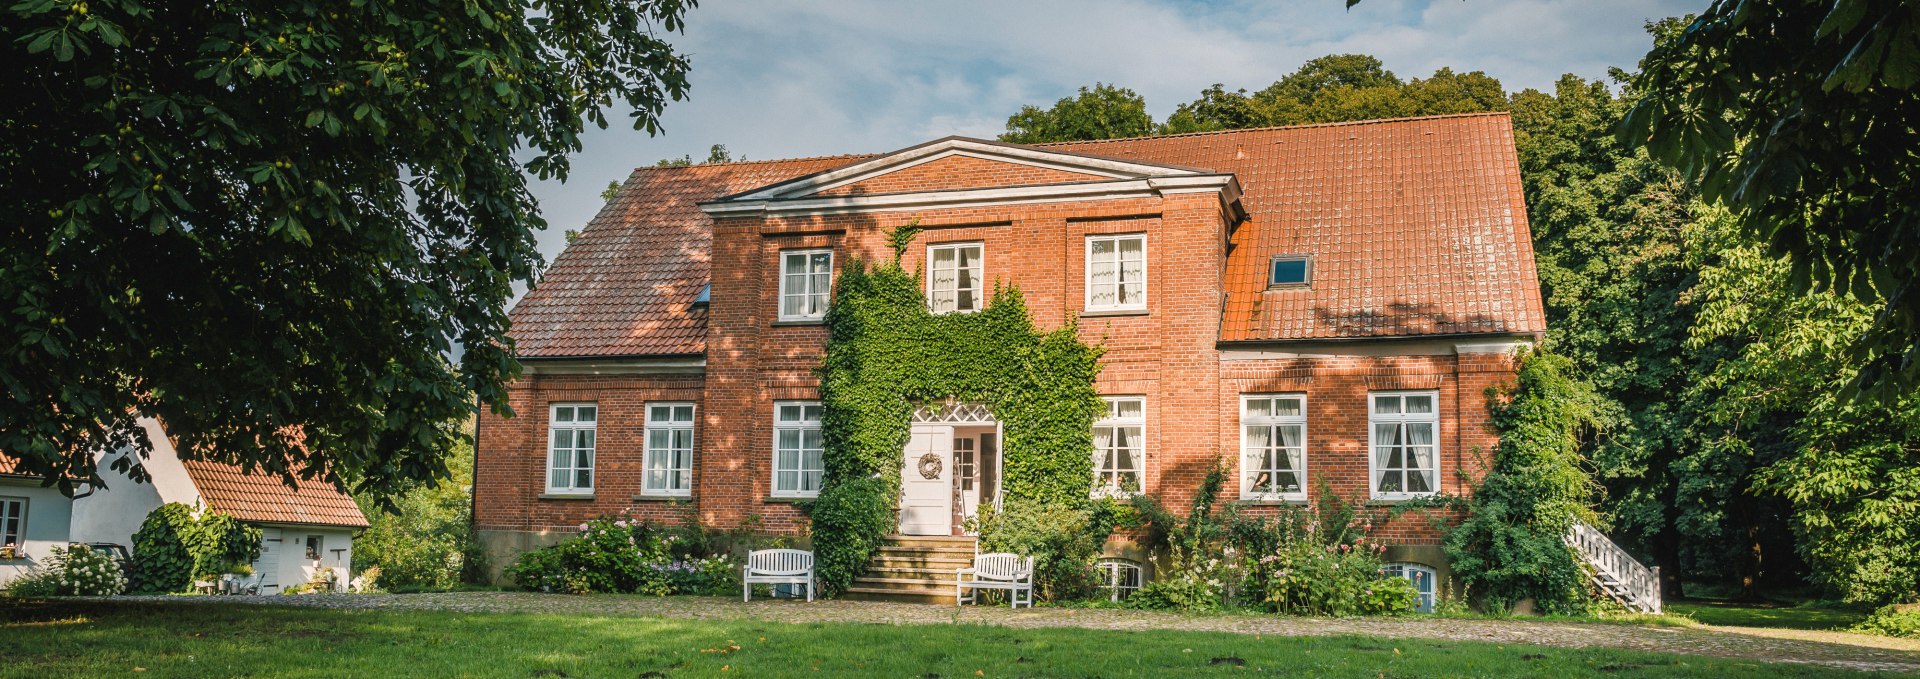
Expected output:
{"points": [[1337, 579], [619, 554], [73, 572], [1188, 583]]}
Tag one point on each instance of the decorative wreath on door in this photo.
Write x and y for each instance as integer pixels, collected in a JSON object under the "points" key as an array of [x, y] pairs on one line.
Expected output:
{"points": [[930, 466]]}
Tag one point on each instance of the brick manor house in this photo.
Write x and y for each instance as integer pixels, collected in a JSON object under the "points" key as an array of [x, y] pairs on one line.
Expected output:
{"points": [[1321, 304]]}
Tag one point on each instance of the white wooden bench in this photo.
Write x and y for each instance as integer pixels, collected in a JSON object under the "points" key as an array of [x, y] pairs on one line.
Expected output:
{"points": [[1010, 572], [777, 567]]}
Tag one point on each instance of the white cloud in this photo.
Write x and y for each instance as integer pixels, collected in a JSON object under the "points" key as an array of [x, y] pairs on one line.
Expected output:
{"points": [[780, 79]]}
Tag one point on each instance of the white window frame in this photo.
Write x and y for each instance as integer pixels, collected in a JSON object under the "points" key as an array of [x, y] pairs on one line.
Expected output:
{"points": [[573, 425], [1087, 273], [800, 457], [1247, 473], [1423, 600], [979, 287], [1101, 485], [805, 256], [19, 536], [670, 426], [1375, 418], [1110, 569]]}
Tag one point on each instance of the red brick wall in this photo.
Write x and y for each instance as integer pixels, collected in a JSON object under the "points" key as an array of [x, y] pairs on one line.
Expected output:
{"points": [[959, 172], [1170, 355]]}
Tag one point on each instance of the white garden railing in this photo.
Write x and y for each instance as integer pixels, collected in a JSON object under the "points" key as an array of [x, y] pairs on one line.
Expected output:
{"points": [[1617, 573]]}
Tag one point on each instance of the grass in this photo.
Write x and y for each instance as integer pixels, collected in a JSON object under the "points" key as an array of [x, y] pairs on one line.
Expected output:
{"points": [[1807, 616], [184, 639]]}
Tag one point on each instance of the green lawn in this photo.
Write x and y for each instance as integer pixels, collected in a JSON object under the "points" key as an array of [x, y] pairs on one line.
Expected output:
{"points": [[1786, 616], [186, 640]]}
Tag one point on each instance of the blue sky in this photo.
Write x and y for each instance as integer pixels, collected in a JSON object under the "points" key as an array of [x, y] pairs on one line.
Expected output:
{"points": [[789, 78]]}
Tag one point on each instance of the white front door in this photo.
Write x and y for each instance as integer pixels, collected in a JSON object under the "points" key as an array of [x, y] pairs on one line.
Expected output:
{"points": [[926, 482], [268, 565]]}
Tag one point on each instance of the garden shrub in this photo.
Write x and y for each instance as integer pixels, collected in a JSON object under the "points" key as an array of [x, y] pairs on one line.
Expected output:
{"points": [[1512, 544], [1064, 542], [886, 353], [621, 555], [71, 571], [422, 539], [1901, 620], [177, 543]]}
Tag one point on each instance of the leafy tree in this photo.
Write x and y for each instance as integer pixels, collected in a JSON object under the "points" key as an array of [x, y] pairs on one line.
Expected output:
{"points": [[266, 222], [717, 154], [1847, 466], [425, 540], [1104, 112], [1802, 118]]}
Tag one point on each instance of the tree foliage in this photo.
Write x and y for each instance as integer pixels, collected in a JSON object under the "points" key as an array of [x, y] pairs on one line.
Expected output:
{"points": [[1802, 118], [267, 222], [887, 354], [424, 540], [1512, 544], [1103, 112]]}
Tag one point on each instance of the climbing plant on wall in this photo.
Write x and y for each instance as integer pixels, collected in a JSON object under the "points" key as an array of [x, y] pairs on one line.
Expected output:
{"points": [[887, 354]]}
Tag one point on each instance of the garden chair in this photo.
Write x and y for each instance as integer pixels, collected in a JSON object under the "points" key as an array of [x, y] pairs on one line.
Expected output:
{"points": [[1010, 572], [777, 567]]}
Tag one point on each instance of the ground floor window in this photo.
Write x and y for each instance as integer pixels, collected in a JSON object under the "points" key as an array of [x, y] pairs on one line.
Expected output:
{"points": [[1119, 447], [1273, 447], [13, 521], [669, 454], [1422, 578], [798, 463], [1123, 577]]}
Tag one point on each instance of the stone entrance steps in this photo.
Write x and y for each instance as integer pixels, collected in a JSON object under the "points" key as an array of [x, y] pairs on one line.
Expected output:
{"points": [[914, 568]]}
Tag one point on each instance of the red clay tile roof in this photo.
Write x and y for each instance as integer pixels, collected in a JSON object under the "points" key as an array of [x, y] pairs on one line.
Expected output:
{"points": [[263, 498], [1416, 227], [10, 465], [625, 286]]}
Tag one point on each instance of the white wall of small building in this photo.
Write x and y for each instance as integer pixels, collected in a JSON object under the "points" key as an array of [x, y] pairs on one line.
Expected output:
{"points": [[48, 524], [114, 513], [283, 555]]}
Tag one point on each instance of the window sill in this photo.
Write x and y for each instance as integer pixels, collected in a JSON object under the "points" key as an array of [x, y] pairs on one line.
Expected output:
{"points": [[794, 322], [662, 497], [1114, 313], [790, 499], [588, 497], [1283, 287], [1274, 500], [1389, 500]]}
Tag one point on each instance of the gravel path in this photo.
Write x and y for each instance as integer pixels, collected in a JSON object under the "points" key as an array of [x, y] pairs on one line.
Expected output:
{"points": [[1836, 649]]}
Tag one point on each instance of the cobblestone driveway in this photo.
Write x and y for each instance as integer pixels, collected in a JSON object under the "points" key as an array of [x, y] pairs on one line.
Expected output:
{"points": [[1835, 649]]}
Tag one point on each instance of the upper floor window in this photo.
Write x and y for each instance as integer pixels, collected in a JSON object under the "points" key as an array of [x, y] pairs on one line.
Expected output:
{"points": [[806, 279], [669, 455], [1117, 273], [798, 463], [954, 276], [1406, 435], [13, 522], [1273, 447], [1289, 271], [1120, 447], [570, 430]]}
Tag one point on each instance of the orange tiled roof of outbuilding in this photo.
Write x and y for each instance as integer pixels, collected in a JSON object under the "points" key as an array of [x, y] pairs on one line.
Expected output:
{"points": [[1416, 227], [263, 498]]}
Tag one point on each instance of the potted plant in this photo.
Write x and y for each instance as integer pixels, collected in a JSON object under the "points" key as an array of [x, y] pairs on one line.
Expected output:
{"points": [[10, 551]]}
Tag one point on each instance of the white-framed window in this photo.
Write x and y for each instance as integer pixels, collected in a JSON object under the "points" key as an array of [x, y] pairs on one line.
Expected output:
{"points": [[13, 521], [570, 430], [797, 460], [1273, 447], [1405, 436], [1120, 447], [806, 279], [1422, 578], [1122, 578], [669, 455], [954, 275], [1117, 272]]}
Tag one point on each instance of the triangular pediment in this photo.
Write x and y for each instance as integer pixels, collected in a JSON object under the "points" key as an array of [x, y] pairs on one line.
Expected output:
{"points": [[959, 163]]}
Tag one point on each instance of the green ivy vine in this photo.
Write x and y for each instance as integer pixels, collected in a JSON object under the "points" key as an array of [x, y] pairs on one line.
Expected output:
{"points": [[887, 354]]}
